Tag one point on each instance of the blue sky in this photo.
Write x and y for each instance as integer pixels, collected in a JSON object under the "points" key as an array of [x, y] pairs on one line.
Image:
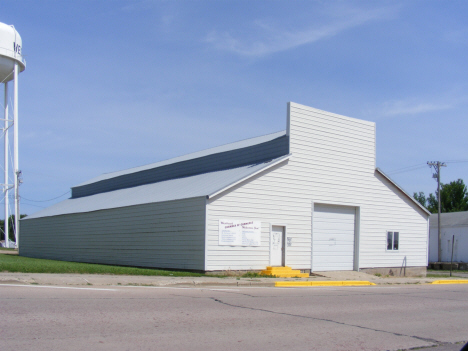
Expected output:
{"points": [[111, 85]]}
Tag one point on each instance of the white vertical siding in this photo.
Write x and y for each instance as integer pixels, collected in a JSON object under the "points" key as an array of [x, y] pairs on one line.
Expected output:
{"points": [[333, 162], [460, 248], [272, 199], [162, 235], [434, 244], [388, 209], [339, 158]]}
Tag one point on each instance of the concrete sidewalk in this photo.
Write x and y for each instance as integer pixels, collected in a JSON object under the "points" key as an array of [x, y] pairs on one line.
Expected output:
{"points": [[8, 252], [128, 280], [164, 281]]}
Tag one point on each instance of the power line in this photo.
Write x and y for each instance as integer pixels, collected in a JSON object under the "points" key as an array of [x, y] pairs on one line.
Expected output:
{"points": [[420, 166], [46, 200], [408, 169], [45, 175], [456, 161], [26, 204]]}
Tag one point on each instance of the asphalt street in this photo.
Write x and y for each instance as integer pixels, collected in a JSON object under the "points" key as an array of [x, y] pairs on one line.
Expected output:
{"points": [[34, 317]]}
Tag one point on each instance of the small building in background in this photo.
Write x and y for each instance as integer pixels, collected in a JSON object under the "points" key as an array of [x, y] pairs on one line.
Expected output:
{"points": [[451, 224], [309, 197], [12, 244]]}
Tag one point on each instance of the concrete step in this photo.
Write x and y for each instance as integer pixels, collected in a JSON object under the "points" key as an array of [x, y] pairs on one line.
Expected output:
{"points": [[284, 272], [280, 269]]}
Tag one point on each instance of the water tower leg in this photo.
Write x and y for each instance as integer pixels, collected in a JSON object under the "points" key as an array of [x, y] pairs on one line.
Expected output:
{"points": [[5, 186], [16, 164]]}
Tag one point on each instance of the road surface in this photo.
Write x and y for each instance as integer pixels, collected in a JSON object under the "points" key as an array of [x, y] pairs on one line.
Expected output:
{"points": [[118, 318]]}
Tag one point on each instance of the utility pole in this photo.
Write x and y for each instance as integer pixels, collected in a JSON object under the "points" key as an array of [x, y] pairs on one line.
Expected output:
{"points": [[436, 165]]}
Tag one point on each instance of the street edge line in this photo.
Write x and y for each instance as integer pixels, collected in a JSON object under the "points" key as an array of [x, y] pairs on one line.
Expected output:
{"points": [[323, 283], [455, 281]]}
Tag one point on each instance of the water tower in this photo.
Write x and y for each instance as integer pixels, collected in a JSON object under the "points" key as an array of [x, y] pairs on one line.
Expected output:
{"points": [[11, 64]]}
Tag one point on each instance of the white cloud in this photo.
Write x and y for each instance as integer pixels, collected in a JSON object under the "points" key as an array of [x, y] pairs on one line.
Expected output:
{"points": [[403, 107], [138, 6], [459, 36], [266, 39]]}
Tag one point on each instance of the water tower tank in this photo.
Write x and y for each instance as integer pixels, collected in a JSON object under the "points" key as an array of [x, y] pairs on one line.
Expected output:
{"points": [[10, 51]]}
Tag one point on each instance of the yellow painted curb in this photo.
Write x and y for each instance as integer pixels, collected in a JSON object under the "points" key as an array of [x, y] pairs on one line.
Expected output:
{"points": [[323, 283], [460, 281]]}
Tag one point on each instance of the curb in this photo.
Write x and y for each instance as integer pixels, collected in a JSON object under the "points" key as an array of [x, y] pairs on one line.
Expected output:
{"points": [[323, 283], [459, 281]]}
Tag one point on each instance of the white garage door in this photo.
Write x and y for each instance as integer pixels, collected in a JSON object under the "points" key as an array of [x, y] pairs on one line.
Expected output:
{"points": [[333, 238]]}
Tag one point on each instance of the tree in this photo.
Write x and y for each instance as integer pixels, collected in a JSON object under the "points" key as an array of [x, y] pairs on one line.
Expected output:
{"points": [[421, 198], [11, 226], [453, 198], [433, 203], [429, 202]]}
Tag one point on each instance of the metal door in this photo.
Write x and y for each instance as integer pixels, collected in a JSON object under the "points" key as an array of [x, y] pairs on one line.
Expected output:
{"points": [[333, 238], [277, 246]]}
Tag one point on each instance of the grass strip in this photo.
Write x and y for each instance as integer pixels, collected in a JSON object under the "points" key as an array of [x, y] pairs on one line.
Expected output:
{"points": [[438, 271], [257, 275], [430, 275], [19, 264]]}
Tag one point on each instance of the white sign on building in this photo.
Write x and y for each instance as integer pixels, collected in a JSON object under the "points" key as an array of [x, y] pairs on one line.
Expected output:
{"points": [[239, 232]]}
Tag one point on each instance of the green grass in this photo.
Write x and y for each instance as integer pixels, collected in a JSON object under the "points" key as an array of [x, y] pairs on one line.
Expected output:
{"points": [[5, 249], [13, 263], [257, 275], [435, 271], [431, 275]]}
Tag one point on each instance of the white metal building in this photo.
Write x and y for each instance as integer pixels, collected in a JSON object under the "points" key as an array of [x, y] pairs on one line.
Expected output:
{"points": [[451, 224], [309, 197]]}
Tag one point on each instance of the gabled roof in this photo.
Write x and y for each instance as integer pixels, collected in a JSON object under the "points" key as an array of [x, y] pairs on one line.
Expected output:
{"points": [[234, 155], [215, 150], [205, 184], [403, 191]]}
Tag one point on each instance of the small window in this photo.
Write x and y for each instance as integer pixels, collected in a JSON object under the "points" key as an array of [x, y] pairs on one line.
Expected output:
{"points": [[393, 240]]}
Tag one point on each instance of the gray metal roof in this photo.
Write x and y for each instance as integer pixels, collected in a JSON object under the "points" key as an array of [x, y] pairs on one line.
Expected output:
{"points": [[450, 219], [205, 184], [203, 153]]}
